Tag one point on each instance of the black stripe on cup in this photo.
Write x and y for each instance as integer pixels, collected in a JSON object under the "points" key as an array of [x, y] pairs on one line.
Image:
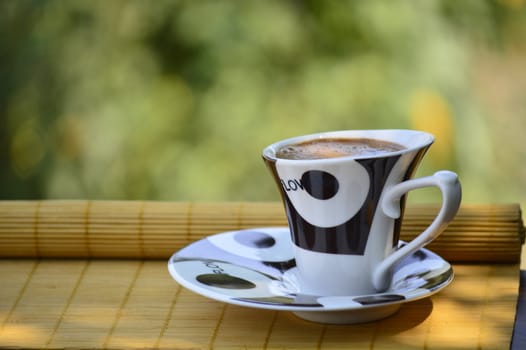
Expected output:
{"points": [[350, 237]]}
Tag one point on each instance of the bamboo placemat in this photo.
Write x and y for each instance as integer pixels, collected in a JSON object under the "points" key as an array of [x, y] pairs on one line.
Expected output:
{"points": [[154, 230], [121, 304], [116, 303]]}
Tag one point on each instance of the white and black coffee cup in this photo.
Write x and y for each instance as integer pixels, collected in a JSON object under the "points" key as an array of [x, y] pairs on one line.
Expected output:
{"points": [[345, 212]]}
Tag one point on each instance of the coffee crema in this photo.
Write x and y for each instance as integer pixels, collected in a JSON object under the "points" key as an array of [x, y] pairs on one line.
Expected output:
{"points": [[337, 147]]}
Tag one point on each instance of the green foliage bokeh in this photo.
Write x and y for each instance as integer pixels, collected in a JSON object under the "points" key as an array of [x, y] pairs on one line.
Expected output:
{"points": [[174, 100]]}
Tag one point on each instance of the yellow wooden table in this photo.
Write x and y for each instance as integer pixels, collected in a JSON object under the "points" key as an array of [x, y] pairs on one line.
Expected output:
{"points": [[94, 275]]}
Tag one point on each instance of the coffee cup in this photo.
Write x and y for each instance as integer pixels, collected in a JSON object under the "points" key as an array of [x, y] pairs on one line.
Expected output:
{"points": [[344, 195]]}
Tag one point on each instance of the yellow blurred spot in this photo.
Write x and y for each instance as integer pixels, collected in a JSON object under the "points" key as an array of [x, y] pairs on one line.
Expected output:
{"points": [[430, 112], [70, 137], [513, 4], [26, 149]]}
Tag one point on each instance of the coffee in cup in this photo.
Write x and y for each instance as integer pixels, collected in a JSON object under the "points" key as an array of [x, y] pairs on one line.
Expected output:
{"points": [[336, 147]]}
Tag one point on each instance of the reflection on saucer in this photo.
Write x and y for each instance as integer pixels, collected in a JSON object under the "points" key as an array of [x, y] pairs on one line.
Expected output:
{"points": [[224, 281], [379, 299]]}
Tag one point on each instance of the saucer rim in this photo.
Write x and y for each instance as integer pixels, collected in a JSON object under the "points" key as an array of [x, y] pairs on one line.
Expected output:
{"points": [[425, 293]]}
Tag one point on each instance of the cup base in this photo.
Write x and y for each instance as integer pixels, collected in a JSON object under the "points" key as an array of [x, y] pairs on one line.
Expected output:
{"points": [[349, 316]]}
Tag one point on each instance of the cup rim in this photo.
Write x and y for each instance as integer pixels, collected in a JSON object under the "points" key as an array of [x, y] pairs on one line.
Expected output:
{"points": [[420, 139]]}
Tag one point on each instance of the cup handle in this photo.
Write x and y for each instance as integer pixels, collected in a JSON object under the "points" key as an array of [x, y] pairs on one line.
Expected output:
{"points": [[449, 185]]}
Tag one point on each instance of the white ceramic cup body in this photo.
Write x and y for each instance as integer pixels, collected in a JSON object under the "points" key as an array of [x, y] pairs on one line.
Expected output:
{"points": [[345, 213]]}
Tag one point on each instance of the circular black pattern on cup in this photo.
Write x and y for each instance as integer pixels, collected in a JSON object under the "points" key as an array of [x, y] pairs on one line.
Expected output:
{"points": [[225, 281], [320, 184], [255, 239]]}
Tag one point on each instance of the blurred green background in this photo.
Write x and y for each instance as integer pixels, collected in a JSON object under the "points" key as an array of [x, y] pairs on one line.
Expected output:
{"points": [[174, 100]]}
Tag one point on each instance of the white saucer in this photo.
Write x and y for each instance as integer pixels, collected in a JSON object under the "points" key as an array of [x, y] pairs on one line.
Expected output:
{"points": [[256, 268]]}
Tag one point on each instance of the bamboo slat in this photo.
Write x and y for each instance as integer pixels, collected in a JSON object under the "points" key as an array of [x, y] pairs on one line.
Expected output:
{"points": [[134, 304], [154, 230]]}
